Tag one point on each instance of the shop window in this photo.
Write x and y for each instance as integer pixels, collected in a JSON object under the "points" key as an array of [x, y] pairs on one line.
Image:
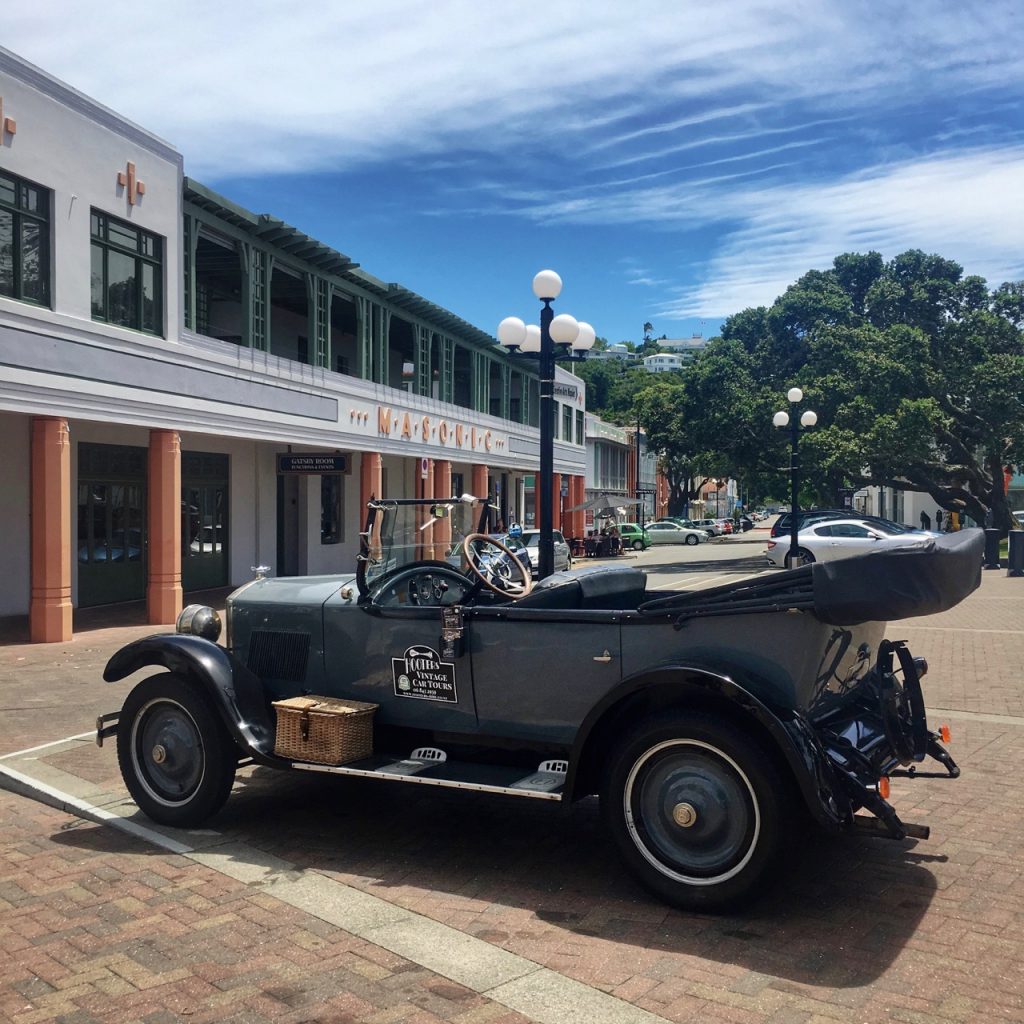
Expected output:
{"points": [[331, 522], [127, 275], [24, 240]]}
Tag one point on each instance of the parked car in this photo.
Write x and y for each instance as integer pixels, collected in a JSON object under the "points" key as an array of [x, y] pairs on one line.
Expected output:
{"points": [[563, 556], [633, 536], [724, 525], [746, 523], [687, 524], [830, 539], [705, 744], [666, 532], [815, 515], [710, 526]]}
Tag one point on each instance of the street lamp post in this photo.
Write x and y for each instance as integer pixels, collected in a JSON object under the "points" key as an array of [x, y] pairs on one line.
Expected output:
{"points": [[807, 419], [558, 337]]}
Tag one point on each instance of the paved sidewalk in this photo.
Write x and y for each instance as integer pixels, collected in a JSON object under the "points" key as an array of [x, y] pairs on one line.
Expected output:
{"points": [[339, 901]]}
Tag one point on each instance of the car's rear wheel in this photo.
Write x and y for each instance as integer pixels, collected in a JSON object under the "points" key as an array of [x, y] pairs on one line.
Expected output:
{"points": [[803, 557], [697, 808], [175, 754], [638, 545], [691, 539]]}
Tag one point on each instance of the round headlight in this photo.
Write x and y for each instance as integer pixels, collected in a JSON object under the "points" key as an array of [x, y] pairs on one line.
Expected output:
{"points": [[199, 620]]}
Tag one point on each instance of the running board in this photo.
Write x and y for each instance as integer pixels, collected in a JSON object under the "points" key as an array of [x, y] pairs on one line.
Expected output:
{"points": [[430, 767]]}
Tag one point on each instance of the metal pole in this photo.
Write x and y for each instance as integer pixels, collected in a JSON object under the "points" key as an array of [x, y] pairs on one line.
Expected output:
{"points": [[794, 469], [545, 499], [639, 497]]}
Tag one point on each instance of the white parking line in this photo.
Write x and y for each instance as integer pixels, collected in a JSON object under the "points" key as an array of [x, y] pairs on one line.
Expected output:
{"points": [[46, 746]]}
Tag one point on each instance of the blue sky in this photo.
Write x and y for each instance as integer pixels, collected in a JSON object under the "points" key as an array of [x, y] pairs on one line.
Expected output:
{"points": [[673, 163]]}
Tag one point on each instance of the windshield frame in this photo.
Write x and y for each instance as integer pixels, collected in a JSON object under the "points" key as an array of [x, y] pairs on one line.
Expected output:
{"points": [[378, 540]]}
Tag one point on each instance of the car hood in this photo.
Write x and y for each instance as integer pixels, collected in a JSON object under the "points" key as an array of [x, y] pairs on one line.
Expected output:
{"points": [[305, 591]]}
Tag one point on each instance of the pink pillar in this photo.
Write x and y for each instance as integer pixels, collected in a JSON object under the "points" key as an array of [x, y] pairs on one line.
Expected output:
{"points": [[481, 486], [163, 590], [371, 481], [427, 532], [50, 603], [443, 527]]}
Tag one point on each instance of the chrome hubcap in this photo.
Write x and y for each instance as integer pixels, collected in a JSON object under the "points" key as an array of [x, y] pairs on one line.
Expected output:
{"points": [[159, 754], [684, 815]]}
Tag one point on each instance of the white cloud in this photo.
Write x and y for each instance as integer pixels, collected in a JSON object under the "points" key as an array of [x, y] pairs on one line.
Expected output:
{"points": [[966, 206], [254, 87]]}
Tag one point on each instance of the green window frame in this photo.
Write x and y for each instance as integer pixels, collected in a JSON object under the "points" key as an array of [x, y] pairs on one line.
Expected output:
{"points": [[567, 423], [127, 274], [579, 427], [24, 240]]}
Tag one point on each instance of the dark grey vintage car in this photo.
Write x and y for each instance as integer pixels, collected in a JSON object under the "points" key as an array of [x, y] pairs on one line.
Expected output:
{"points": [[708, 722]]}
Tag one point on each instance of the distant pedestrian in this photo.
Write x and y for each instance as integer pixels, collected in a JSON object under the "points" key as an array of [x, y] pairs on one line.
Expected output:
{"points": [[926, 522], [938, 520]]}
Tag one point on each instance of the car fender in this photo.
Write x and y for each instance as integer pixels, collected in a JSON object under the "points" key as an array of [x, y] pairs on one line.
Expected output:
{"points": [[669, 685], [235, 692]]}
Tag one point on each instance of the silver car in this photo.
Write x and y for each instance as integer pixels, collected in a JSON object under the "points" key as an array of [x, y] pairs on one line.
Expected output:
{"points": [[672, 533], [563, 556], [840, 538]]}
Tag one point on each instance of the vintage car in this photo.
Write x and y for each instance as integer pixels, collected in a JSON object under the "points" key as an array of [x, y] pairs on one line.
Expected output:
{"points": [[708, 722]]}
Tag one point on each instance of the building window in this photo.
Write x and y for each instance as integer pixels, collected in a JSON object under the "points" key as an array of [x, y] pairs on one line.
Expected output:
{"points": [[127, 275], [24, 240], [579, 427], [567, 423], [331, 525]]}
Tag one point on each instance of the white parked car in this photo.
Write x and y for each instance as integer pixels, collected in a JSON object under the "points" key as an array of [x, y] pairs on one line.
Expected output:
{"points": [[664, 532], [830, 539]]}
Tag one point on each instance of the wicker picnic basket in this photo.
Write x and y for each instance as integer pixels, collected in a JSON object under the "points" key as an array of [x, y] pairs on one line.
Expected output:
{"points": [[324, 730]]}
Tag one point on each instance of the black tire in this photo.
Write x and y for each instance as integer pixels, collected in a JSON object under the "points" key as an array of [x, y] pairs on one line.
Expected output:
{"points": [[804, 557], [677, 772], [691, 540], [175, 754], [638, 545]]}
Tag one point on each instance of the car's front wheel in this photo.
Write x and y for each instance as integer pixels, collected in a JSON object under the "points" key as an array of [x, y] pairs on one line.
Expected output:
{"points": [[175, 754], [692, 539], [697, 809]]}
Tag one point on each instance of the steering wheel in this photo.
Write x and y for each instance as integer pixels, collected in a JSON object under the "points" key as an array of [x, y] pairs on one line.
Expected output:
{"points": [[500, 570]]}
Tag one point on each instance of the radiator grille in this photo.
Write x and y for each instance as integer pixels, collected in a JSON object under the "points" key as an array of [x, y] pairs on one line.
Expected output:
{"points": [[277, 655]]}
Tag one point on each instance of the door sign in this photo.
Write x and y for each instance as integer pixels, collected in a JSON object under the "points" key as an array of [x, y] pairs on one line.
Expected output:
{"points": [[422, 674]]}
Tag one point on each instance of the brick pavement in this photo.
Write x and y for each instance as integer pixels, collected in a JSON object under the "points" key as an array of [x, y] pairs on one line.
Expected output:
{"points": [[859, 930]]}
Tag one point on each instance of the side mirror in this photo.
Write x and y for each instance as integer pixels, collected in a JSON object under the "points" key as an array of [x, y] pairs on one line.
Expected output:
{"points": [[874, 536]]}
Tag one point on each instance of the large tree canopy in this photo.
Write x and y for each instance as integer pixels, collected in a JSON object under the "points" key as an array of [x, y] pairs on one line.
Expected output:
{"points": [[916, 374]]}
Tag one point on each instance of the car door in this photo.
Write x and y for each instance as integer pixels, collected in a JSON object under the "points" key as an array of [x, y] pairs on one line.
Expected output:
{"points": [[537, 672], [394, 657], [849, 539]]}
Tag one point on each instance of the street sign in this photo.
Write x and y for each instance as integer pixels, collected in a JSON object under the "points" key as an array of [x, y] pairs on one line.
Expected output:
{"points": [[424, 468]]}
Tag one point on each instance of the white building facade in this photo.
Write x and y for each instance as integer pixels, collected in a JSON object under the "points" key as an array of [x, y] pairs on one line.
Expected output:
{"points": [[188, 389]]}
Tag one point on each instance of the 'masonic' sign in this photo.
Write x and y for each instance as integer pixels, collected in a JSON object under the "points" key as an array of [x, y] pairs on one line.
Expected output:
{"points": [[422, 428]]}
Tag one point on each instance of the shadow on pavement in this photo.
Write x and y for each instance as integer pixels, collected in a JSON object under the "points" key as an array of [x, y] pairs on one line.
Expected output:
{"points": [[838, 917]]}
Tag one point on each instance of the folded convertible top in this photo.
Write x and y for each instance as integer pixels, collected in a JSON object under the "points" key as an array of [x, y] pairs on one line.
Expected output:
{"points": [[926, 576], [923, 576]]}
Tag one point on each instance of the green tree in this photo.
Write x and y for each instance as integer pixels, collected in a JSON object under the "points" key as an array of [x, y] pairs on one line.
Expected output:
{"points": [[915, 372]]}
